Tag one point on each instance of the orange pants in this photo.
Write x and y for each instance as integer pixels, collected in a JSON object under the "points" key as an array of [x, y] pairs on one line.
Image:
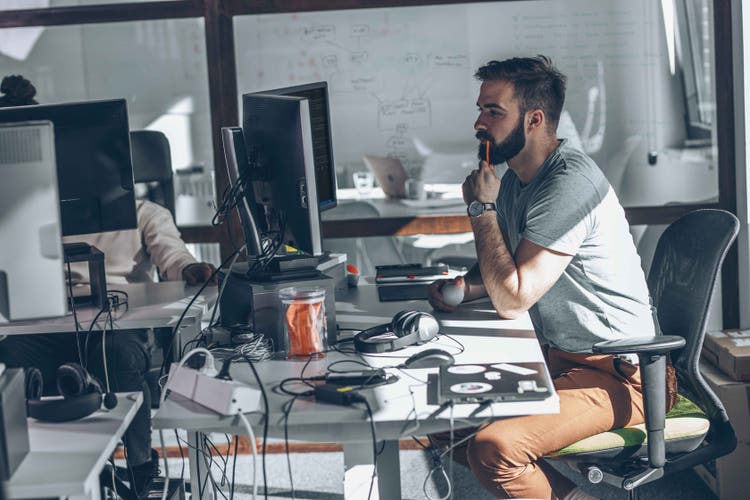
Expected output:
{"points": [[597, 393]]}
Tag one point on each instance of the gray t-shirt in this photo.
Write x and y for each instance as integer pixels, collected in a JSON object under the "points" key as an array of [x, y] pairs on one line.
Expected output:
{"points": [[570, 207]]}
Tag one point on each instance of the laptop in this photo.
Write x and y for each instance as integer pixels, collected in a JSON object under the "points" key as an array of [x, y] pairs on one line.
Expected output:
{"points": [[390, 174], [479, 382]]}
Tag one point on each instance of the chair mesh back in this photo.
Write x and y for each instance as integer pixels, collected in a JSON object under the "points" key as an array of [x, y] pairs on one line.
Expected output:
{"points": [[686, 264], [152, 164]]}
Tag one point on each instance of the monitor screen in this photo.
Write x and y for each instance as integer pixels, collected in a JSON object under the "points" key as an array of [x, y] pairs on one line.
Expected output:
{"points": [[94, 170], [325, 172], [278, 135], [32, 282]]}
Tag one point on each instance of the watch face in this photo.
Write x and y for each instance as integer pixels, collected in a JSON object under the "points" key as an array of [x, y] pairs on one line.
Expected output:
{"points": [[475, 208]]}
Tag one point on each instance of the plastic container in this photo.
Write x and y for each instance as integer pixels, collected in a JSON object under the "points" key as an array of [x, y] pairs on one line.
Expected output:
{"points": [[303, 312]]}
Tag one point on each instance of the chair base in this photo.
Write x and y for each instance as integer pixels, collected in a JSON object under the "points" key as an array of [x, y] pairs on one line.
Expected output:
{"points": [[626, 477]]}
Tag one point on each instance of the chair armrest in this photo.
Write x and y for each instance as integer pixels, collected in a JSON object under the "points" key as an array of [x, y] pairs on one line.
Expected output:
{"points": [[652, 356], [659, 344]]}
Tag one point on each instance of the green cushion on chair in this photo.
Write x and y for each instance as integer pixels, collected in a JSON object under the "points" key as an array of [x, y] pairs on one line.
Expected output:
{"points": [[685, 420]]}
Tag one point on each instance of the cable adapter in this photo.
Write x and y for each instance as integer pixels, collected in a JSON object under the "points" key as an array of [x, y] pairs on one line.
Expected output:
{"points": [[337, 394]]}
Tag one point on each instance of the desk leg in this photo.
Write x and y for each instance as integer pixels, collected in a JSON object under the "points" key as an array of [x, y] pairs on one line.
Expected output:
{"points": [[358, 471], [95, 492], [198, 468]]}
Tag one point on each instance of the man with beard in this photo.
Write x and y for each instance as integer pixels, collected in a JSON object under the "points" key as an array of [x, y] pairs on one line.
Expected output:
{"points": [[551, 239]]}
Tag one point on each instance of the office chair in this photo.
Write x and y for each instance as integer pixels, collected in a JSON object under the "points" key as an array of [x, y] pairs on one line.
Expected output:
{"points": [[152, 165], [686, 263]]}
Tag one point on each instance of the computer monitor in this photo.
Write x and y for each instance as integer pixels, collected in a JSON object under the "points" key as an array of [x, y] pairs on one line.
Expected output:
{"points": [[32, 279], [244, 180], [325, 172], [278, 136], [94, 170]]}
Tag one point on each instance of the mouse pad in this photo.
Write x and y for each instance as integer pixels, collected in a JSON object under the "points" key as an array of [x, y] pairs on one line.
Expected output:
{"points": [[478, 382]]}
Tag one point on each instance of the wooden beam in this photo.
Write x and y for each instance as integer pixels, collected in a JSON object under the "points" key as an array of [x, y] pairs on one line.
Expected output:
{"points": [[725, 143], [110, 13], [244, 7]]}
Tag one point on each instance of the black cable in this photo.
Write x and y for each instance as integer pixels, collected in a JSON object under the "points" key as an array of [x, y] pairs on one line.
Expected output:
{"points": [[265, 421], [182, 456], [73, 307], [208, 443], [224, 461], [198, 466], [460, 345], [176, 328], [88, 335], [287, 409], [234, 466], [374, 446]]}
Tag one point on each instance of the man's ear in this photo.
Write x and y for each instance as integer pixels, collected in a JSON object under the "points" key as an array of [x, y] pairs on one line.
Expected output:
{"points": [[536, 119]]}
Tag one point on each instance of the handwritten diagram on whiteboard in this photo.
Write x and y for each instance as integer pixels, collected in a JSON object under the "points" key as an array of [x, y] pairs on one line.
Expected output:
{"points": [[392, 73], [404, 76]]}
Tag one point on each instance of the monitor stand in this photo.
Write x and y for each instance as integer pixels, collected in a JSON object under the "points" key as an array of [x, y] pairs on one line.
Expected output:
{"points": [[83, 252]]}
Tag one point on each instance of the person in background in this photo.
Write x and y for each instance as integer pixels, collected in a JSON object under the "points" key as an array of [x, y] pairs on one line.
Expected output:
{"points": [[552, 240], [129, 257]]}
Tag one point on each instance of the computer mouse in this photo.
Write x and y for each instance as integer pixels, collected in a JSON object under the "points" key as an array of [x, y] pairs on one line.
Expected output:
{"points": [[430, 358]]}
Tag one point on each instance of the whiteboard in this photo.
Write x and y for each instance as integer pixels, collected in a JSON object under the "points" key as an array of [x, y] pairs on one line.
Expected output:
{"points": [[400, 74]]}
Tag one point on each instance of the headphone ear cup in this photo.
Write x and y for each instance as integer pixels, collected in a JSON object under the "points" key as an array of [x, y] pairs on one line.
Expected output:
{"points": [[65, 409], [403, 323], [72, 380], [33, 383], [426, 326]]}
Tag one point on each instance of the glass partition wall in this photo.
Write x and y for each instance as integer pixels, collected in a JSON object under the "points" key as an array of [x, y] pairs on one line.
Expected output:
{"points": [[643, 98]]}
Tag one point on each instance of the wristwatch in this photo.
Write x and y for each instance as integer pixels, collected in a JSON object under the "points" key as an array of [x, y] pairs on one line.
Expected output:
{"points": [[477, 208]]}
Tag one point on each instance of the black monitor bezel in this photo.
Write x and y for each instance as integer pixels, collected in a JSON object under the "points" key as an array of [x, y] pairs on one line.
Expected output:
{"points": [[323, 205], [53, 112]]}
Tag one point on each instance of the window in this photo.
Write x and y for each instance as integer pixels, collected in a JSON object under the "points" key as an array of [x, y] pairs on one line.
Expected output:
{"points": [[158, 66]]}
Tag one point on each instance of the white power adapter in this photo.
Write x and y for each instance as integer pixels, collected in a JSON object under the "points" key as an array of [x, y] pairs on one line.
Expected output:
{"points": [[226, 397]]}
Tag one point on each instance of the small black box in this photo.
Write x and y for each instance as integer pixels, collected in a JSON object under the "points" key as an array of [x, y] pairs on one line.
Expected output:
{"points": [[14, 431]]}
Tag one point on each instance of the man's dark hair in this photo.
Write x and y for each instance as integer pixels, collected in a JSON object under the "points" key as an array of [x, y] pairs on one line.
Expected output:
{"points": [[17, 91], [538, 84]]}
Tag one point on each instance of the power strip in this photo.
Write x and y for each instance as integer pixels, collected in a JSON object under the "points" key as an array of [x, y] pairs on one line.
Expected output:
{"points": [[226, 397]]}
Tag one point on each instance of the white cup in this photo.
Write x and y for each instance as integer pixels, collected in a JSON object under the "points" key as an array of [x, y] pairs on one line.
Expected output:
{"points": [[363, 181]]}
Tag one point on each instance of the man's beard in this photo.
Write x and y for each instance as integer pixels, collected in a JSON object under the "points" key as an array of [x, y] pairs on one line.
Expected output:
{"points": [[506, 150]]}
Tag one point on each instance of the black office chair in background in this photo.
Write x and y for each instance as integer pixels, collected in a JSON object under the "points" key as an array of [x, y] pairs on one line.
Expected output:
{"points": [[686, 263], [152, 165]]}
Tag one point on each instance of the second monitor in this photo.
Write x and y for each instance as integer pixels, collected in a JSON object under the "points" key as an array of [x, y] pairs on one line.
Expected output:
{"points": [[94, 170], [278, 137]]}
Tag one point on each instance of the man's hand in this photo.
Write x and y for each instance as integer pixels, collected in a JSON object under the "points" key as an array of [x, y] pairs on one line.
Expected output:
{"points": [[435, 295], [198, 273], [482, 184]]}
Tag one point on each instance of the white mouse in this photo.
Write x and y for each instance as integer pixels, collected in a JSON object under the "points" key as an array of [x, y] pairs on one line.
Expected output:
{"points": [[453, 294]]}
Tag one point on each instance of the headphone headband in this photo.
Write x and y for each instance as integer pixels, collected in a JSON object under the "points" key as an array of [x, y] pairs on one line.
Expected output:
{"points": [[410, 327], [81, 395]]}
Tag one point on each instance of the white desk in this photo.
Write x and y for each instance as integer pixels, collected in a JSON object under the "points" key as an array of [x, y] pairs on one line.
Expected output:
{"points": [[390, 207], [65, 459], [486, 338], [150, 305]]}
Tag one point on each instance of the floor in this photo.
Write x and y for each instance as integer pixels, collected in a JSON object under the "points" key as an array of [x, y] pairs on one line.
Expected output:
{"points": [[318, 476]]}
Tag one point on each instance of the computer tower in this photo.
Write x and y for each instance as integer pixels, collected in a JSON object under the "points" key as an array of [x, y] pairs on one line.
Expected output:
{"points": [[255, 303], [14, 432]]}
